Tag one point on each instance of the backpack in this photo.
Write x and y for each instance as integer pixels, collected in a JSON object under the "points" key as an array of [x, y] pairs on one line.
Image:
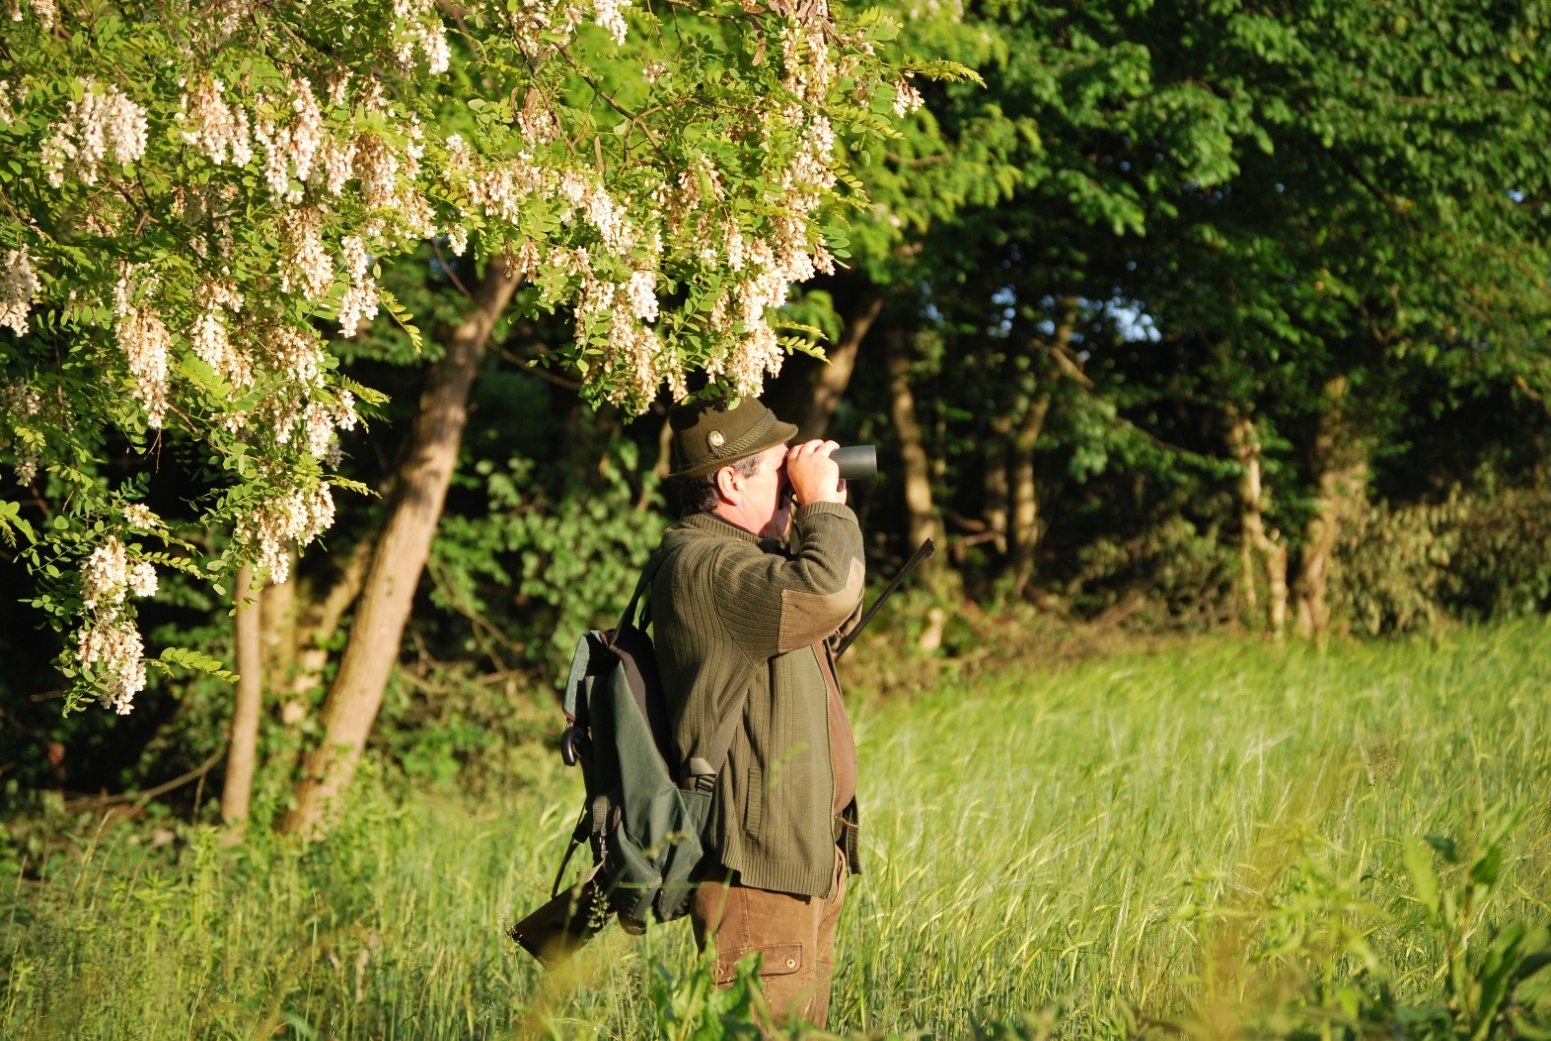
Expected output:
{"points": [[644, 817]]}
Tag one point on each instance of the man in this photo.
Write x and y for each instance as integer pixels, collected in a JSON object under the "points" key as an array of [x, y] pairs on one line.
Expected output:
{"points": [[763, 568]]}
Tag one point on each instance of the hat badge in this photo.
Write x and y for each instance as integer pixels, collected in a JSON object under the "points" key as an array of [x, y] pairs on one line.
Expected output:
{"points": [[716, 439]]}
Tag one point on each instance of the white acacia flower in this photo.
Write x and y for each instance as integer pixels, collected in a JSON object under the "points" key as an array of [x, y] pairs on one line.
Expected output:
{"points": [[111, 645], [297, 516], [138, 515], [338, 86], [640, 295], [305, 263], [433, 42], [338, 165], [46, 10], [18, 288], [218, 130], [359, 304], [105, 574], [378, 168], [142, 579], [104, 122], [296, 355], [145, 341], [609, 16], [7, 115], [737, 257], [536, 119]]}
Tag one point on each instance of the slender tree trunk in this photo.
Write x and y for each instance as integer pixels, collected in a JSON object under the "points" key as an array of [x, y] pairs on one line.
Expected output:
{"points": [[1255, 541], [242, 749], [1025, 493], [313, 627], [1341, 474], [1276, 587], [916, 471], [318, 621], [397, 560], [917, 474], [278, 613], [827, 387], [998, 488]]}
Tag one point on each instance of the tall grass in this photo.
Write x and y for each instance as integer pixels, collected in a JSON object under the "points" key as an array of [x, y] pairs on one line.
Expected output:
{"points": [[1084, 837]]}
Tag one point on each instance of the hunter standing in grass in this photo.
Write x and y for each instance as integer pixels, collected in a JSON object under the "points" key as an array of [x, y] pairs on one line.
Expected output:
{"points": [[748, 596]]}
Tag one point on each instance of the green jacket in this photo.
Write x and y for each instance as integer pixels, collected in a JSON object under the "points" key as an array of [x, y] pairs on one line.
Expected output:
{"points": [[733, 613]]}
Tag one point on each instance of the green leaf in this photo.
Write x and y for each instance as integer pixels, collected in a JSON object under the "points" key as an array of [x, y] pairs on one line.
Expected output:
{"points": [[1446, 847], [1423, 878], [402, 316], [1487, 867], [11, 522], [192, 659], [354, 486], [1496, 971]]}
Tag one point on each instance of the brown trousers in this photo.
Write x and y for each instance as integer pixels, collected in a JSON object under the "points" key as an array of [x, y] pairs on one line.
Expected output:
{"points": [[794, 936]]}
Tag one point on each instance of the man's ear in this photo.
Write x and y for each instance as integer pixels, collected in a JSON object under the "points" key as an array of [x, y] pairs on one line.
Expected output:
{"points": [[729, 487]]}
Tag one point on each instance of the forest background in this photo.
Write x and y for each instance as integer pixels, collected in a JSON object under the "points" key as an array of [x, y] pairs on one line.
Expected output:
{"points": [[1191, 316], [1167, 318]]}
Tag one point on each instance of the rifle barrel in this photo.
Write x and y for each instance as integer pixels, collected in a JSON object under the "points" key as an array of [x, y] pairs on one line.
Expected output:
{"points": [[923, 551]]}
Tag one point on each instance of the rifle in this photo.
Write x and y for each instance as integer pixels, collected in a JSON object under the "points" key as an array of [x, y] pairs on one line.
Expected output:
{"points": [[560, 928], [925, 550]]}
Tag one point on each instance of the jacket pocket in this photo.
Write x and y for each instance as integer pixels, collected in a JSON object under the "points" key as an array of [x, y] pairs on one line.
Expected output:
{"points": [[776, 959], [754, 802]]}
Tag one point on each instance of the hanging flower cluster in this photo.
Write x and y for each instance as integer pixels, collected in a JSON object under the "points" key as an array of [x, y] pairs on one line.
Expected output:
{"points": [[18, 285], [109, 643]]}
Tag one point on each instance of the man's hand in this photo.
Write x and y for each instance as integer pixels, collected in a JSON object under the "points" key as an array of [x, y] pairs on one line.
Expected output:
{"points": [[813, 475]]}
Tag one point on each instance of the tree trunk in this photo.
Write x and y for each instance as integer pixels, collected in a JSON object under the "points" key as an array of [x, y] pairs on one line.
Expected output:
{"points": [[242, 750], [916, 470], [318, 621], [827, 387], [277, 610], [1341, 474], [997, 487], [1025, 493], [1255, 542], [351, 706]]}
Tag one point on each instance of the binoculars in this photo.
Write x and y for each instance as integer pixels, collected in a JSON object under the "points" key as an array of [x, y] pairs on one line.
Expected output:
{"points": [[856, 462]]}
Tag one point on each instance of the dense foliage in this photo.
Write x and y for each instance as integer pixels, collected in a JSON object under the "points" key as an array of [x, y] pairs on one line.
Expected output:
{"points": [[196, 197], [1183, 315]]}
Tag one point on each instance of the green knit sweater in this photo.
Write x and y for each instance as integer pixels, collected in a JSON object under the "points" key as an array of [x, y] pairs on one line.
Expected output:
{"points": [[732, 613]]}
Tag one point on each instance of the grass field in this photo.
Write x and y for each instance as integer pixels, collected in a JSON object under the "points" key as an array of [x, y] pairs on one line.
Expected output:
{"points": [[1135, 836]]}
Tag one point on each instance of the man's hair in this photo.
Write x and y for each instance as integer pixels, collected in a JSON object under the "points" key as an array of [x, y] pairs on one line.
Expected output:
{"points": [[700, 494]]}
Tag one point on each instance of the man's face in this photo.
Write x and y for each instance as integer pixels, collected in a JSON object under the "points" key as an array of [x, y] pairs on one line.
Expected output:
{"points": [[767, 507]]}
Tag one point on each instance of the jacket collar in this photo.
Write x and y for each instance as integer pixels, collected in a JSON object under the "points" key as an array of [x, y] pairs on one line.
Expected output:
{"points": [[716, 527]]}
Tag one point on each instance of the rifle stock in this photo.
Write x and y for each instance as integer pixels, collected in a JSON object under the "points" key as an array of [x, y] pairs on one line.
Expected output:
{"points": [[563, 926]]}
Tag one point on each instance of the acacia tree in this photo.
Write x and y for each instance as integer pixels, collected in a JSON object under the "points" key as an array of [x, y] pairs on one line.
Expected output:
{"points": [[196, 198]]}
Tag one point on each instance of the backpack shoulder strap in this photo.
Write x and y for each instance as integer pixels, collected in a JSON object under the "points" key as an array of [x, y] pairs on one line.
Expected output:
{"points": [[586, 661], [701, 773], [643, 588]]}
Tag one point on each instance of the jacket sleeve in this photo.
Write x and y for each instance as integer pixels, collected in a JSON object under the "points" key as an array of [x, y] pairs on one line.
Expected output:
{"points": [[774, 604]]}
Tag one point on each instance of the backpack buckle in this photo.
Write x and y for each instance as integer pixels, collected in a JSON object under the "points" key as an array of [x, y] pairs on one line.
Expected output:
{"points": [[568, 745]]}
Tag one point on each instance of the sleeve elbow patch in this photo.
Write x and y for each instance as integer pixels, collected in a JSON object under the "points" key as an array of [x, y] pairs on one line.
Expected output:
{"points": [[806, 617]]}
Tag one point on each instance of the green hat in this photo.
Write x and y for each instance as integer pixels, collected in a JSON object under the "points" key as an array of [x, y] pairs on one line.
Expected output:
{"points": [[707, 437]]}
